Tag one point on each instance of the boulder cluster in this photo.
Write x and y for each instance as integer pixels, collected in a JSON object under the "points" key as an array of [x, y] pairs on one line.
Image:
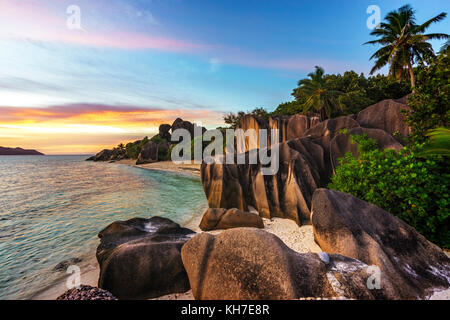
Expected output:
{"points": [[308, 153], [367, 252]]}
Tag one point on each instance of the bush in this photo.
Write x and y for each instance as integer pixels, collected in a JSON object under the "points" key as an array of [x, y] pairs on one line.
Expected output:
{"points": [[406, 184], [431, 99], [357, 93], [133, 149]]}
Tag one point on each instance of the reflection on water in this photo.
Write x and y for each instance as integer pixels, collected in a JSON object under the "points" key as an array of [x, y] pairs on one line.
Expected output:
{"points": [[52, 207]]}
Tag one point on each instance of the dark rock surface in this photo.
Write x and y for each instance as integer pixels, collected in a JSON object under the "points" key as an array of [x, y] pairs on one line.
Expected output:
{"points": [[63, 265], [386, 115], [252, 264], [287, 194], [218, 218], [140, 258], [164, 131], [86, 293], [189, 126], [411, 267], [148, 154], [4, 151], [341, 143]]}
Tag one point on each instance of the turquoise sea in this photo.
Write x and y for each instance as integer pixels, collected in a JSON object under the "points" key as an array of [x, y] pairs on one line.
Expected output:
{"points": [[52, 207]]}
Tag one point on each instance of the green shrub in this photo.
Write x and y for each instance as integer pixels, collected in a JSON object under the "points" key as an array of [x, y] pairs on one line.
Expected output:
{"points": [[134, 148], [431, 99], [406, 184]]}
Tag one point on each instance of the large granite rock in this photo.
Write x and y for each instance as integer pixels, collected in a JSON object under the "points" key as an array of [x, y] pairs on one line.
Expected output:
{"points": [[298, 125], [342, 143], [219, 218], [255, 123], [140, 258], [164, 131], [286, 194], [411, 267], [251, 264], [279, 122], [325, 131], [148, 154], [292, 127], [386, 115], [104, 155], [189, 126]]}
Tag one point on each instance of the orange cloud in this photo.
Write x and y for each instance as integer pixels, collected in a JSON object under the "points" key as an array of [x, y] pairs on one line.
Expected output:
{"points": [[88, 128]]}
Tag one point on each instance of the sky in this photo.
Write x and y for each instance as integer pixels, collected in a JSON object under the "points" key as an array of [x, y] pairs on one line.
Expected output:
{"points": [[77, 83]]}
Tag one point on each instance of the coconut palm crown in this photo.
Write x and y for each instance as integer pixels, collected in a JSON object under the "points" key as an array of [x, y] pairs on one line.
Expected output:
{"points": [[319, 97], [403, 42]]}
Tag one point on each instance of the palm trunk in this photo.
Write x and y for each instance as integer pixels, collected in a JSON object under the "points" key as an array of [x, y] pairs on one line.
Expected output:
{"points": [[411, 76]]}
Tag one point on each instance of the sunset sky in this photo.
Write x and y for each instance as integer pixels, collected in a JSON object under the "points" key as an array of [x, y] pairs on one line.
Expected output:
{"points": [[136, 64]]}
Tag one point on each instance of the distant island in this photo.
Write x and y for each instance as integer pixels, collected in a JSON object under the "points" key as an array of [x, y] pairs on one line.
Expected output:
{"points": [[18, 152]]}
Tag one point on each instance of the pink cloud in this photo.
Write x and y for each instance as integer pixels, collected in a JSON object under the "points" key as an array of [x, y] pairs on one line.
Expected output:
{"points": [[31, 19]]}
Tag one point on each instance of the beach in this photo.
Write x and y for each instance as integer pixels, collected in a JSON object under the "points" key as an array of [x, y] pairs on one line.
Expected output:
{"points": [[300, 239], [191, 169]]}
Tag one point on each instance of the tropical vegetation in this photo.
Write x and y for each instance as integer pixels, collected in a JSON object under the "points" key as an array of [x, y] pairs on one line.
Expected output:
{"points": [[408, 184]]}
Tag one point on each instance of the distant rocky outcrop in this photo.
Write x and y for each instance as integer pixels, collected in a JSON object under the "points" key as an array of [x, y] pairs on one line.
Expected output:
{"points": [[149, 154], [85, 292], [252, 264], [214, 219], [411, 267], [148, 150], [4, 151], [140, 258], [164, 131], [189, 126]]}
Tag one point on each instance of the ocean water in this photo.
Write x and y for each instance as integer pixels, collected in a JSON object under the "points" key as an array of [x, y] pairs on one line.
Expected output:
{"points": [[52, 208]]}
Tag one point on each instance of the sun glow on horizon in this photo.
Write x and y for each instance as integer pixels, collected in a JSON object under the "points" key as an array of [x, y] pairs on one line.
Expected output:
{"points": [[87, 129]]}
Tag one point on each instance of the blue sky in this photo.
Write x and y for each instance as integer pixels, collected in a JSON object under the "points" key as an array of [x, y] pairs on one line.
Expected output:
{"points": [[185, 58]]}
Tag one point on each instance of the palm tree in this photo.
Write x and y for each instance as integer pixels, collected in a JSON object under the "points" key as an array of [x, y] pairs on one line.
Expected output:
{"points": [[318, 96], [404, 42]]}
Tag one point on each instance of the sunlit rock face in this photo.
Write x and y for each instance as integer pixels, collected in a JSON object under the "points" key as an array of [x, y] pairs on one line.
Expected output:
{"points": [[252, 264], [219, 218], [248, 124], [286, 194], [308, 156], [410, 266]]}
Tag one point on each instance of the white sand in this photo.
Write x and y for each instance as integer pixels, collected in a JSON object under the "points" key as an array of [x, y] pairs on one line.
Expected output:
{"points": [[90, 272], [190, 169], [300, 239]]}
